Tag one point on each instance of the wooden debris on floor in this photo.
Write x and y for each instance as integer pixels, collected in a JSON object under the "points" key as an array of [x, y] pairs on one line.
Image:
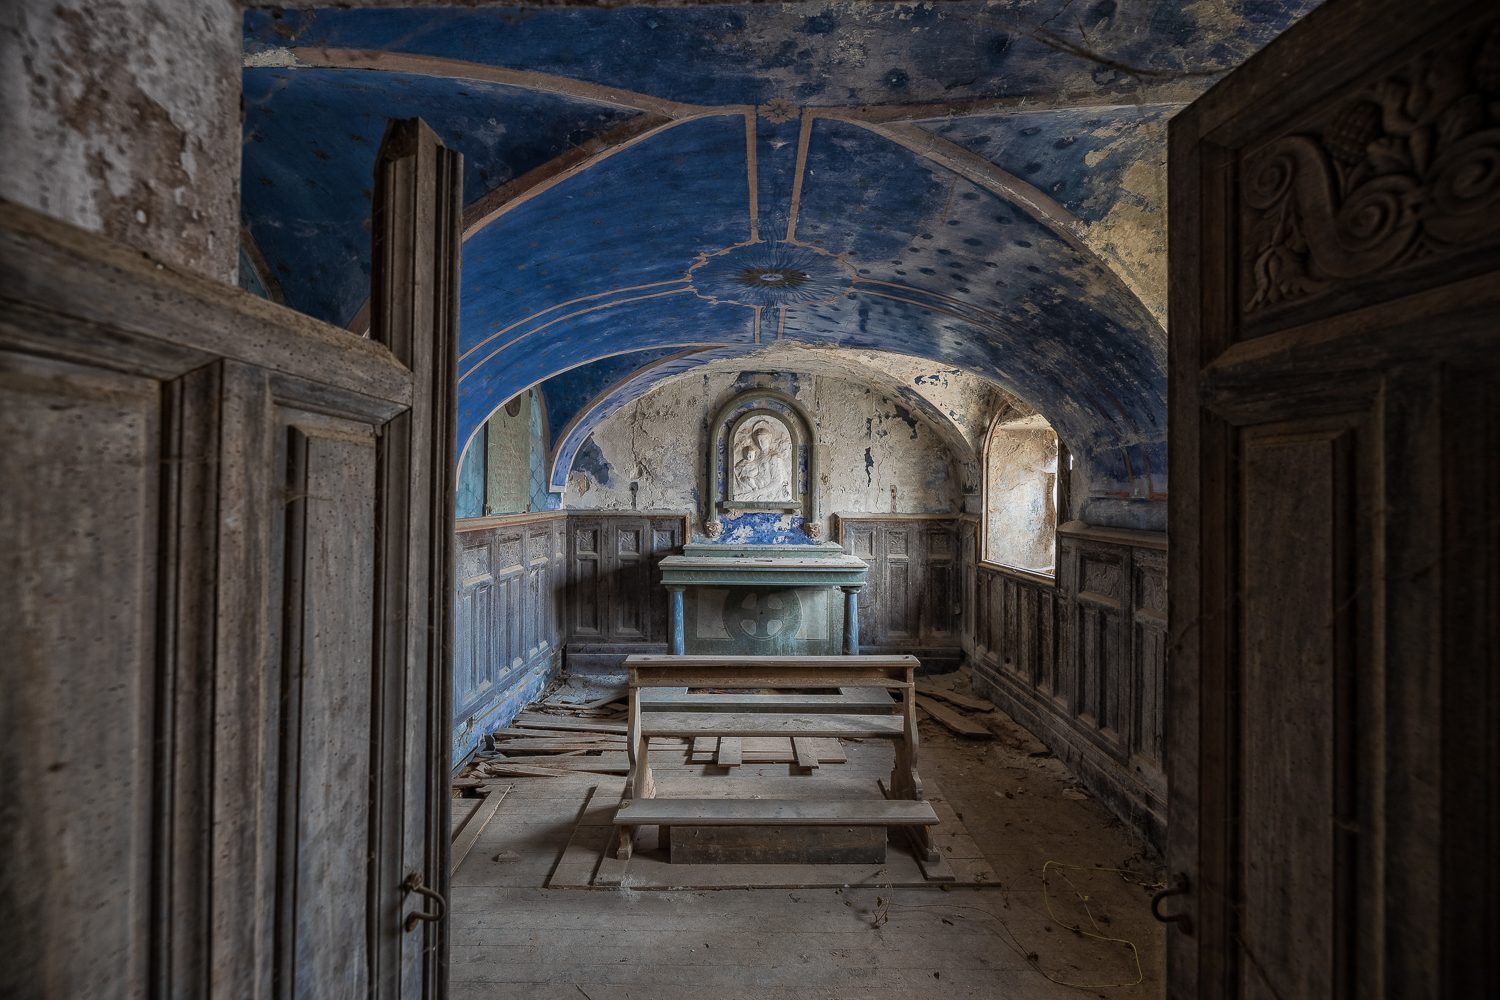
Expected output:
{"points": [[470, 817], [954, 698], [554, 739], [960, 724]]}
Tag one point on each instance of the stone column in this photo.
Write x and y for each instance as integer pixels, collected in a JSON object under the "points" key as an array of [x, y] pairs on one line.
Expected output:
{"points": [[678, 640], [851, 620]]}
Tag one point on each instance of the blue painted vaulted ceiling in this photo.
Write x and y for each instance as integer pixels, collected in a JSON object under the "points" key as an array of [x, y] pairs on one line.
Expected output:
{"points": [[971, 182]]}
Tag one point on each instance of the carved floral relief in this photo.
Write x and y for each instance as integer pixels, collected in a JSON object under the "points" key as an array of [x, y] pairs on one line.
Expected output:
{"points": [[1407, 170]]}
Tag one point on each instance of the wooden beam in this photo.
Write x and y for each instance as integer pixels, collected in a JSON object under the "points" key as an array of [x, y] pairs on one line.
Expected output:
{"points": [[952, 719], [467, 835], [766, 724], [775, 812], [729, 751], [961, 700]]}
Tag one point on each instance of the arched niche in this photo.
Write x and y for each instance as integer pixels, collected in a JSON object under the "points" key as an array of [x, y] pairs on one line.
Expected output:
{"points": [[740, 416]]}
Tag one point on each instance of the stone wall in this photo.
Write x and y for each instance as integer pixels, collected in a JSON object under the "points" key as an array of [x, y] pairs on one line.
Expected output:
{"points": [[124, 118], [875, 454]]}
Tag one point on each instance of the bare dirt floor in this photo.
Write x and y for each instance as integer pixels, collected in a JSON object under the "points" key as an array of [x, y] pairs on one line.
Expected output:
{"points": [[1067, 915]]}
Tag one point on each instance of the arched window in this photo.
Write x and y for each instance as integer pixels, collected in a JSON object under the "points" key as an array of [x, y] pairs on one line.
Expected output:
{"points": [[1021, 495]]}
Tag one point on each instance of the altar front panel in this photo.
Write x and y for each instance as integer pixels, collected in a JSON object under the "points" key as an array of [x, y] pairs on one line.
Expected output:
{"points": [[763, 620]]}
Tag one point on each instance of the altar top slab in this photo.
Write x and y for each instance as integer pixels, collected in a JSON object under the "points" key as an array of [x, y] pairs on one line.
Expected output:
{"points": [[820, 550], [833, 569]]}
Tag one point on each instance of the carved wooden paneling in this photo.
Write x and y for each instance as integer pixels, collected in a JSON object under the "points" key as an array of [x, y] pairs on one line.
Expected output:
{"points": [[228, 534], [511, 580], [1335, 251], [327, 693], [912, 591], [588, 598], [1082, 662], [941, 592], [1148, 658], [79, 542], [1377, 191]]}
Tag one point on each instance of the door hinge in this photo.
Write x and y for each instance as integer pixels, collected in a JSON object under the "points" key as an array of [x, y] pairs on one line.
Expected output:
{"points": [[1182, 920], [413, 883]]}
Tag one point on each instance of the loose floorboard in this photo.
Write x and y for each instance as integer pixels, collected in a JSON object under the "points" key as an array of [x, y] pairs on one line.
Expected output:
{"points": [[1003, 813]]}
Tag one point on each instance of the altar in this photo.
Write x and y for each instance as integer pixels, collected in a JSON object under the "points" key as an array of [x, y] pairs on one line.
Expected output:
{"points": [[764, 600]]}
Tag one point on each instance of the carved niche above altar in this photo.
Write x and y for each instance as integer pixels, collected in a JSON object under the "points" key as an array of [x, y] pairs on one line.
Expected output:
{"points": [[761, 458]]}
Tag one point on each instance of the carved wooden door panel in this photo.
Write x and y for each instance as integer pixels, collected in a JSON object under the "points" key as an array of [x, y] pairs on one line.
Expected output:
{"points": [[588, 598], [229, 530], [630, 580], [1334, 639]]}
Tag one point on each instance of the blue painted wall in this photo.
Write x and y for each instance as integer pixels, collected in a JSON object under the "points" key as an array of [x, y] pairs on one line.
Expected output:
{"points": [[469, 493], [854, 54], [309, 159], [638, 253], [592, 288], [569, 393]]}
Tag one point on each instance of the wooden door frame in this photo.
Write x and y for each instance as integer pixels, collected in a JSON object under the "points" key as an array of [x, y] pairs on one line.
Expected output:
{"points": [[1220, 380], [417, 214]]}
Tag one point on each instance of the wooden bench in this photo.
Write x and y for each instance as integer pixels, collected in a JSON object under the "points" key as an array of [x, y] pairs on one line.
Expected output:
{"points": [[661, 705]]}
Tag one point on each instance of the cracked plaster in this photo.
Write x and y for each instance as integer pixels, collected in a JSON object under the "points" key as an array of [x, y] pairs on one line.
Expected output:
{"points": [[123, 118], [658, 442]]}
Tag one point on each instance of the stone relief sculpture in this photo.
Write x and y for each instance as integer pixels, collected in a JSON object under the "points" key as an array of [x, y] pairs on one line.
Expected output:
{"points": [[757, 444], [762, 451]]}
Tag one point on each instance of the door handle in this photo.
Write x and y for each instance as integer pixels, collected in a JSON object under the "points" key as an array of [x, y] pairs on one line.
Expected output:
{"points": [[413, 883], [1182, 920]]}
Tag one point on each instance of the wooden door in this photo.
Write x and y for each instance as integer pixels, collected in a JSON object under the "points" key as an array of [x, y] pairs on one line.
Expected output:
{"points": [[1334, 608], [223, 638]]}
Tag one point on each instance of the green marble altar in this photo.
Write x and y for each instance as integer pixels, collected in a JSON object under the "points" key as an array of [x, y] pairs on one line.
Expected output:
{"points": [[764, 600]]}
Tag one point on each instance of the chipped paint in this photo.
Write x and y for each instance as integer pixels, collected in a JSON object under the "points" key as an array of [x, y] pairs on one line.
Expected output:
{"points": [[658, 442], [123, 118], [983, 182]]}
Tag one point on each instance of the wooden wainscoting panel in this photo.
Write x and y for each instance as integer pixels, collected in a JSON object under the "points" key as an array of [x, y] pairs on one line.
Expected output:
{"points": [[1082, 663], [913, 591]]}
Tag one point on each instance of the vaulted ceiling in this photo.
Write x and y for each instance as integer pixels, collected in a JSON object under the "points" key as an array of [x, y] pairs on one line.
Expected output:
{"points": [[977, 183]]}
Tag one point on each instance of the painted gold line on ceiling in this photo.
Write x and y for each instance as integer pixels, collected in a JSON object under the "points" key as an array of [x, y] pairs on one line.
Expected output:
{"points": [[400, 62], [559, 319], [754, 180], [561, 305], [600, 397], [803, 138], [489, 207], [757, 323]]}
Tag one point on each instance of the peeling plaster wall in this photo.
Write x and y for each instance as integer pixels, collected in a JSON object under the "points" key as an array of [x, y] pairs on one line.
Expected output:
{"points": [[869, 443], [1133, 234], [123, 118], [961, 404]]}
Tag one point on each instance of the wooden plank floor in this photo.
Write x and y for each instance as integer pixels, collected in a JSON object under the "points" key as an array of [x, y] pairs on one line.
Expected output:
{"points": [[513, 938]]}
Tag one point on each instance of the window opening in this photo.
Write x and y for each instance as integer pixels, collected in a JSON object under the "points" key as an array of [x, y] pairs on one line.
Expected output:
{"points": [[1021, 494]]}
